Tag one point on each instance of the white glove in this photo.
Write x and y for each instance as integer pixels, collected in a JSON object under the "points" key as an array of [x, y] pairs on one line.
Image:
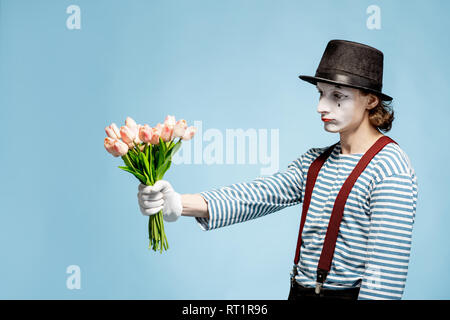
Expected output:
{"points": [[160, 196]]}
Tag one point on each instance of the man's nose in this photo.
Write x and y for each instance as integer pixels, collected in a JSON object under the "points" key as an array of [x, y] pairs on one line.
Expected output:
{"points": [[323, 107]]}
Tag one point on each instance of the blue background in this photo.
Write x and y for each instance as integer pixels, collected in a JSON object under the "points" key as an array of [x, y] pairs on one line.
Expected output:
{"points": [[231, 64]]}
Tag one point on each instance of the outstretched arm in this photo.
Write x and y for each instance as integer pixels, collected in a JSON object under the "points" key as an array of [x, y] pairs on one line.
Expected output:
{"points": [[227, 205], [242, 202]]}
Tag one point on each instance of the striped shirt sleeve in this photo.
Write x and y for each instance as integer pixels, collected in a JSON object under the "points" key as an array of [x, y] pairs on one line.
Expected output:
{"points": [[392, 208], [242, 202]]}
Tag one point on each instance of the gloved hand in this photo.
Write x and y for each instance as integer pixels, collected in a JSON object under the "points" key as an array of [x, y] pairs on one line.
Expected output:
{"points": [[161, 195]]}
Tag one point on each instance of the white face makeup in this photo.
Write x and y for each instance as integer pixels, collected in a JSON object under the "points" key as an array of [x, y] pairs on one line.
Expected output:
{"points": [[338, 107]]}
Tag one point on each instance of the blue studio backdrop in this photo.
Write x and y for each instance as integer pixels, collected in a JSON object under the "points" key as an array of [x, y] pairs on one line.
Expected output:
{"points": [[70, 68]]}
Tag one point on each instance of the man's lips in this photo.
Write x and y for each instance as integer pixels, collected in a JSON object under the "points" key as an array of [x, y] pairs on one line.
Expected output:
{"points": [[326, 119]]}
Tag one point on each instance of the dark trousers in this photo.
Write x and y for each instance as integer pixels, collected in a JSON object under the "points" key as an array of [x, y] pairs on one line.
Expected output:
{"points": [[298, 292]]}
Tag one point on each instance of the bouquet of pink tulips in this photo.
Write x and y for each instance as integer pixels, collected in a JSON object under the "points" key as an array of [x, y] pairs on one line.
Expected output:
{"points": [[147, 153]]}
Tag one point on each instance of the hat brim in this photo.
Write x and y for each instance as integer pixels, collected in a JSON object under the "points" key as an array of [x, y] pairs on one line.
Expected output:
{"points": [[314, 81]]}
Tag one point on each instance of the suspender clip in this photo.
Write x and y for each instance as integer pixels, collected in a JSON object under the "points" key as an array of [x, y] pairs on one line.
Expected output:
{"points": [[321, 276], [318, 287]]}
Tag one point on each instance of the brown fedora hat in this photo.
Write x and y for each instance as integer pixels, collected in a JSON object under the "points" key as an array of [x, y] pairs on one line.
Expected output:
{"points": [[351, 64]]}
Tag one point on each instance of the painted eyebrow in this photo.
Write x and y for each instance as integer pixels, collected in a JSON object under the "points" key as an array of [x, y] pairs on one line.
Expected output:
{"points": [[339, 87], [336, 86]]}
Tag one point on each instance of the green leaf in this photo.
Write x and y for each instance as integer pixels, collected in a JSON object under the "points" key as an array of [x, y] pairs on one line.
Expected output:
{"points": [[136, 174], [147, 179], [173, 150], [146, 150], [168, 166], [133, 158], [158, 174], [150, 149], [169, 145], [160, 159], [164, 165], [140, 162], [146, 168], [152, 170], [176, 147], [160, 171], [144, 161], [162, 156], [162, 145], [127, 161], [155, 153]]}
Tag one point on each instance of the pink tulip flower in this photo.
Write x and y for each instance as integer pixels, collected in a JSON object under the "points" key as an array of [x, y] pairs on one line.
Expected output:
{"points": [[112, 131], [137, 139], [120, 148], [179, 129], [189, 133], [159, 127], [134, 127], [130, 123], [155, 136], [109, 146], [170, 120], [145, 133], [127, 135], [167, 131]]}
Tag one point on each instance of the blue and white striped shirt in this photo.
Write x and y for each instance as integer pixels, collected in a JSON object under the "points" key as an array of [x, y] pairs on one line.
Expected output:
{"points": [[374, 241]]}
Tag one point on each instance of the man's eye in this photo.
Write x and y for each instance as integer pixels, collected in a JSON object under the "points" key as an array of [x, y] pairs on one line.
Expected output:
{"points": [[338, 96]]}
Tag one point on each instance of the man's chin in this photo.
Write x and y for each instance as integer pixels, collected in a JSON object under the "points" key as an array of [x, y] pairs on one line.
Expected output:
{"points": [[331, 129]]}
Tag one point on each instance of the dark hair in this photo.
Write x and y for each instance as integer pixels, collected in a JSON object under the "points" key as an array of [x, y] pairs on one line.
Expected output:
{"points": [[382, 115]]}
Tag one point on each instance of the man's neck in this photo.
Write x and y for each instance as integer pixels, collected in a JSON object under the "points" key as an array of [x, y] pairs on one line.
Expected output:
{"points": [[360, 139]]}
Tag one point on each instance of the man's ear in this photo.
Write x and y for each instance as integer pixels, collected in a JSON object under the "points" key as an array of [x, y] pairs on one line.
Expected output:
{"points": [[372, 101]]}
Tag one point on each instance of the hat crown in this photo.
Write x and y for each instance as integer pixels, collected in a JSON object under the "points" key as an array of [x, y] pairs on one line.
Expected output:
{"points": [[351, 64], [352, 58]]}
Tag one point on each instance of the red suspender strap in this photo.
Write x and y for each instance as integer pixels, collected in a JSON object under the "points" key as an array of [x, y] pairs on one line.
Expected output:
{"points": [[313, 172], [338, 208]]}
